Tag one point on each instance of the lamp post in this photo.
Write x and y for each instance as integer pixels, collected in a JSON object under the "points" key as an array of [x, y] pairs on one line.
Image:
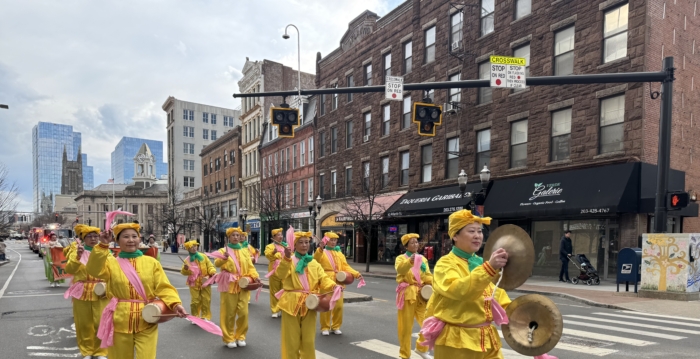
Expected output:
{"points": [[314, 211], [285, 36], [243, 216], [476, 198]]}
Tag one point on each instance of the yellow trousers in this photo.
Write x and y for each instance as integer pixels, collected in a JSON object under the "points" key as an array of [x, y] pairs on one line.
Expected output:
{"points": [[141, 345], [445, 352], [299, 336], [234, 316], [412, 309], [275, 286], [86, 315], [201, 302], [335, 315]]}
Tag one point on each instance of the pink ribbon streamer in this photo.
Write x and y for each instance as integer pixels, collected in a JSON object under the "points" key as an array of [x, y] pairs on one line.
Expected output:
{"points": [[109, 217], [84, 257], [417, 261], [432, 327], [545, 356], [337, 295], [400, 294], [216, 254], [499, 314], [75, 290], [257, 294], [192, 278], [279, 294], [290, 236], [325, 240], [106, 329], [361, 283], [208, 326]]}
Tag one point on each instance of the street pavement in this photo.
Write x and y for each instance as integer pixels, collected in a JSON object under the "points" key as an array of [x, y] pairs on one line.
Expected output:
{"points": [[35, 321]]}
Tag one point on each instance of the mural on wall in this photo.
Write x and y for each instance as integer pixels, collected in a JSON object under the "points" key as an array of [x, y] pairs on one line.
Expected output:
{"points": [[694, 266], [665, 262]]}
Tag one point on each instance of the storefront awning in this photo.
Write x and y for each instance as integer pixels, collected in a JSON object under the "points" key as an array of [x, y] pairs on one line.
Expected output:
{"points": [[226, 225], [358, 210], [432, 201], [585, 192]]}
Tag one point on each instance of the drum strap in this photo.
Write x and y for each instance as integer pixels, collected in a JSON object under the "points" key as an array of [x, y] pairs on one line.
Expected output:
{"points": [[232, 254]]}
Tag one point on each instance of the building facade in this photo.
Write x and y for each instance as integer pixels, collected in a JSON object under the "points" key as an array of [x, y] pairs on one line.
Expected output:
{"points": [[537, 142], [71, 174], [191, 127], [88, 174], [123, 158], [260, 76]]}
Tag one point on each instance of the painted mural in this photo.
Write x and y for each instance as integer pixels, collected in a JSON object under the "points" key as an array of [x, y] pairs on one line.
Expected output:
{"points": [[694, 266], [665, 262]]}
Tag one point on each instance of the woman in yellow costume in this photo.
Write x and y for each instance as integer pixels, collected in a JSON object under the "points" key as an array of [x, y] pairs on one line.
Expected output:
{"points": [[252, 251], [412, 273], [87, 306], [274, 253], [198, 269], [234, 263], [133, 280], [464, 305], [331, 258]]}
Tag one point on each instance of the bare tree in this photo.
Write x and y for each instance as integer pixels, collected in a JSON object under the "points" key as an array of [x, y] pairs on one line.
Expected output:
{"points": [[49, 218], [205, 215], [171, 215], [8, 200], [274, 199]]}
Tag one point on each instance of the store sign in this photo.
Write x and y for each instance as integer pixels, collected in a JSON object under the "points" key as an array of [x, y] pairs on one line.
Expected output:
{"points": [[393, 229], [431, 199], [542, 192], [300, 215]]}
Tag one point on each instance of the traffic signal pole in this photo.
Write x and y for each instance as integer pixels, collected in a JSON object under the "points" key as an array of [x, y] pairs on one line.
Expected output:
{"points": [[664, 156]]}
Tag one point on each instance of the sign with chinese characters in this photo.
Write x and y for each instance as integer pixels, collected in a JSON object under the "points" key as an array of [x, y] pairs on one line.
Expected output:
{"points": [[394, 88], [508, 72]]}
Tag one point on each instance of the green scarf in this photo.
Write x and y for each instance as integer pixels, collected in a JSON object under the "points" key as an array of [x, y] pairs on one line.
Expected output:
{"points": [[284, 244], [88, 248], [304, 261], [135, 254], [195, 257], [473, 260], [336, 248], [235, 246], [423, 267], [244, 244]]}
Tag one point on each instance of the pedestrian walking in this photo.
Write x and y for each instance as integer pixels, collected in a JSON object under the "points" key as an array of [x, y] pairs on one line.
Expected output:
{"points": [[565, 251], [2, 249]]}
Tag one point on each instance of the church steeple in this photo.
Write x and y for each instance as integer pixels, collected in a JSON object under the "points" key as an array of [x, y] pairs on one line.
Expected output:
{"points": [[144, 167]]}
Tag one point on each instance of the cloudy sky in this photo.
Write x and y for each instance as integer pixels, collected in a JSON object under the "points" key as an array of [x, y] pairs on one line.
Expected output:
{"points": [[106, 67]]}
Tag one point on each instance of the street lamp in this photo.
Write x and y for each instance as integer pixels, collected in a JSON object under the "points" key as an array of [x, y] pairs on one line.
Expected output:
{"points": [[314, 211], [475, 198], [243, 216], [285, 36]]}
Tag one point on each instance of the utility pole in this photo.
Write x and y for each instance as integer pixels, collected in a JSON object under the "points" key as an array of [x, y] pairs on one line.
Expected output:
{"points": [[664, 159]]}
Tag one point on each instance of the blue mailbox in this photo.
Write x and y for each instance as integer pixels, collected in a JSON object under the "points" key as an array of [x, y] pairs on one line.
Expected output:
{"points": [[629, 266]]}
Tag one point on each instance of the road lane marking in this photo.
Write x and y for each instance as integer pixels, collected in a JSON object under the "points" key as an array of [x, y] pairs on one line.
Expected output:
{"points": [[674, 322], [625, 330], [7, 282], [607, 337], [54, 355], [641, 325], [600, 352], [382, 347], [33, 295], [49, 348], [659, 315], [320, 355]]}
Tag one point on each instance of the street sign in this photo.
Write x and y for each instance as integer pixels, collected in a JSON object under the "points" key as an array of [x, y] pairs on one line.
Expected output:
{"points": [[394, 88], [508, 72]]}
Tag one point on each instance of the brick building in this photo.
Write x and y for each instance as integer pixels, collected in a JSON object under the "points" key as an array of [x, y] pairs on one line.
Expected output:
{"points": [[578, 157]]}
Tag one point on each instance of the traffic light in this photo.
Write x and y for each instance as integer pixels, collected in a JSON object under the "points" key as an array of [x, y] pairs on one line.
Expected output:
{"points": [[285, 119], [677, 200], [56, 217], [427, 116]]}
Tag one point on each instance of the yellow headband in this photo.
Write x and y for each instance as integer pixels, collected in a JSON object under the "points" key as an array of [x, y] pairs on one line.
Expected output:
{"points": [[331, 235], [462, 218], [233, 230], [298, 235], [120, 227], [407, 237], [190, 244], [275, 231], [85, 230]]}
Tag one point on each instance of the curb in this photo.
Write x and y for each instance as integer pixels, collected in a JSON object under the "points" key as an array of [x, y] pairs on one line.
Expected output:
{"points": [[571, 297], [4, 262]]}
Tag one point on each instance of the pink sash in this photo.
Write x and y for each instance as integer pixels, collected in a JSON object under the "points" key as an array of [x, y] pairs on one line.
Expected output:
{"points": [[276, 264], [400, 294], [330, 259], [337, 291], [84, 257], [75, 290], [192, 278]]}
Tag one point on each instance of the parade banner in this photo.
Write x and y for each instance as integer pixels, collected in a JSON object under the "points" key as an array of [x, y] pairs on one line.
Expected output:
{"points": [[58, 264]]}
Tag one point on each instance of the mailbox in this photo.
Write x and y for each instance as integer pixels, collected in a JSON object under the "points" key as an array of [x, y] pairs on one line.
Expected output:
{"points": [[629, 265]]}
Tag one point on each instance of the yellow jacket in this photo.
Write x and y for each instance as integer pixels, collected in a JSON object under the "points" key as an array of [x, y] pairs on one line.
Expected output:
{"points": [[251, 251], [272, 256], [459, 297], [66, 250], [127, 317], [79, 272], [341, 264], [293, 303], [205, 269], [405, 275], [247, 267]]}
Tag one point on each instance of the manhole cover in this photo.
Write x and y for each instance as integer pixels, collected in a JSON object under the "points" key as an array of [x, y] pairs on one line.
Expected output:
{"points": [[584, 342]]}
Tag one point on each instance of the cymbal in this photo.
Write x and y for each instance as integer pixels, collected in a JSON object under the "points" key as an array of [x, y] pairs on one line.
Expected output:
{"points": [[521, 254], [526, 312]]}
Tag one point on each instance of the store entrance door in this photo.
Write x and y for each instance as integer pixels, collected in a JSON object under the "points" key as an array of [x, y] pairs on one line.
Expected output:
{"points": [[610, 243]]}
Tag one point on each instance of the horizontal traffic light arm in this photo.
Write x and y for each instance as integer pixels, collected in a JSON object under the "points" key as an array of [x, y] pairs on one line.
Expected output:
{"points": [[623, 77]]}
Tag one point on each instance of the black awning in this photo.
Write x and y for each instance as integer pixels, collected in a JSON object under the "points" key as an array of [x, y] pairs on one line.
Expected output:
{"points": [[592, 191], [442, 200]]}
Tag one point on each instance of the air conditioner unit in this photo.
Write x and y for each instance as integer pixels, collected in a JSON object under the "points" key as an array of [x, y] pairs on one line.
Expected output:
{"points": [[456, 45], [365, 138], [449, 108]]}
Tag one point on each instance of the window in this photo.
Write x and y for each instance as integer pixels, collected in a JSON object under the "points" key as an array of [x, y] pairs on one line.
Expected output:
{"points": [[348, 181], [387, 65], [348, 134], [311, 187], [323, 105], [564, 52], [368, 75], [205, 134], [276, 162], [205, 117], [430, 94], [188, 131], [225, 121], [189, 165], [615, 33], [426, 161], [518, 144], [456, 30], [294, 156], [483, 149], [189, 148], [334, 139], [365, 176], [561, 135], [289, 159], [386, 116], [302, 191], [430, 45], [213, 119], [286, 195], [351, 83], [487, 9], [524, 52], [228, 121], [404, 158], [334, 101], [368, 124], [334, 178], [232, 157], [455, 94], [406, 117], [452, 167], [135, 208], [485, 74], [311, 150], [233, 184], [264, 164], [205, 169], [188, 115], [294, 194], [302, 156], [612, 116], [321, 191], [322, 144], [213, 133], [407, 57], [522, 8], [150, 209], [385, 172], [188, 181]]}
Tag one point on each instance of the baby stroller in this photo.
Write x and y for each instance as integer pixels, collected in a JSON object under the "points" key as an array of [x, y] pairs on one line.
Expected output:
{"points": [[588, 274]]}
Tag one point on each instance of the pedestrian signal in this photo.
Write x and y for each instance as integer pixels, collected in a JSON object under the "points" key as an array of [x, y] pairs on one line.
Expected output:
{"points": [[677, 200], [285, 119], [427, 116]]}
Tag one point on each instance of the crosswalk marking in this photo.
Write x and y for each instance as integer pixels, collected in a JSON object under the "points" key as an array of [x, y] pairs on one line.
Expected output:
{"points": [[658, 315], [650, 320], [625, 330], [607, 337], [641, 325], [574, 348], [382, 347], [54, 355], [511, 354], [320, 355]]}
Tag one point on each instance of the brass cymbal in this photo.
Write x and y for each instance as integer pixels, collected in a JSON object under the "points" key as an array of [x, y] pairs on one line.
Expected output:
{"points": [[521, 254], [528, 311]]}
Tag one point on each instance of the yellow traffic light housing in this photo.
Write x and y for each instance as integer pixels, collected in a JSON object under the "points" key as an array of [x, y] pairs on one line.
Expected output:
{"points": [[427, 116], [286, 119]]}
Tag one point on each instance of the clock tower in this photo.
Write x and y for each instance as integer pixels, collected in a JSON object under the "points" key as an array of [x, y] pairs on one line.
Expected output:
{"points": [[144, 168]]}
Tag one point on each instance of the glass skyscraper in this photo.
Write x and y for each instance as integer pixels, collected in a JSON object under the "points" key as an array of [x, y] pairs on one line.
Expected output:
{"points": [[88, 174], [48, 142], [123, 158]]}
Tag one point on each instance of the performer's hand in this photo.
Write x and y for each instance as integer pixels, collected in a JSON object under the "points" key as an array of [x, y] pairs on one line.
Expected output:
{"points": [[187, 267], [226, 254], [274, 251], [499, 258], [80, 251], [287, 253], [106, 237], [180, 311], [413, 258]]}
